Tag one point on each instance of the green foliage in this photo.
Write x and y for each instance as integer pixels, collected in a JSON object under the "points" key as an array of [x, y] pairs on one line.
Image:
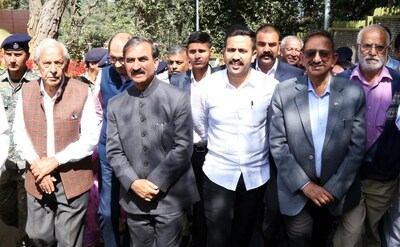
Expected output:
{"points": [[170, 22], [14, 4], [340, 9], [218, 15]]}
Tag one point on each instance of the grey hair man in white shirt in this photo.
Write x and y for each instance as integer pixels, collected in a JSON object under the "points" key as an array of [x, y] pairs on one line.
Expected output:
{"points": [[230, 113]]}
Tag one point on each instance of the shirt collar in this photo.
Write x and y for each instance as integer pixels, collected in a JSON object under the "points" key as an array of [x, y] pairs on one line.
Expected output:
{"points": [[149, 90], [327, 89], [59, 90], [194, 80], [272, 71], [357, 74], [250, 80]]}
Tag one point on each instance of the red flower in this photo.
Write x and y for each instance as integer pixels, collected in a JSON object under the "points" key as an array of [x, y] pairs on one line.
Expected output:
{"points": [[75, 67]]}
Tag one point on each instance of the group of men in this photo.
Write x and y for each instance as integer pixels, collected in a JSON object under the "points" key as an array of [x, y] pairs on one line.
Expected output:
{"points": [[305, 157]]}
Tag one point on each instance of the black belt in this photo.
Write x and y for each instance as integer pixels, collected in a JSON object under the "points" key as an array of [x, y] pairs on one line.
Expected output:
{"points": [[199, 148]]}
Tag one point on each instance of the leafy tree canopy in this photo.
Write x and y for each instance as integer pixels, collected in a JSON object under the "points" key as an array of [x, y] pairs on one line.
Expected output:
{"points": [[88, 23]]}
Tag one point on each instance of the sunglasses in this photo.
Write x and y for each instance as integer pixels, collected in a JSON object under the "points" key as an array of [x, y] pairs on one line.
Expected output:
{"points": [[323, 54]]}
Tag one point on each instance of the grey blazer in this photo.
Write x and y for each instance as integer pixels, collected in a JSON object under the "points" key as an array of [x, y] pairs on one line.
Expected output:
{"points": [[285, 71], [292, 148], [150, 136]]}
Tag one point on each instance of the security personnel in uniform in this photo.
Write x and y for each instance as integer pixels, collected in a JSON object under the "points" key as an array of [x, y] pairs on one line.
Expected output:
{"points": [[92, 65], [13, 210]]}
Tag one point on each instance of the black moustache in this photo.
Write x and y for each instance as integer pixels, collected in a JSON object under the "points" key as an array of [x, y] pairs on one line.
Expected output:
{"points": [[236, 61], [315, 64], [266, 55], [137, 72]]}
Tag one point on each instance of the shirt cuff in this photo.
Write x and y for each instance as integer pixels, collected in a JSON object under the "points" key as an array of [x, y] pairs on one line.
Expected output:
{"points": [[302, 187]]}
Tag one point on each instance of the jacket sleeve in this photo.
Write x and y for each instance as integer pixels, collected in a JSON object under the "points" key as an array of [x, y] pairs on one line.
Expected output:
{"points": [[115, 153]]}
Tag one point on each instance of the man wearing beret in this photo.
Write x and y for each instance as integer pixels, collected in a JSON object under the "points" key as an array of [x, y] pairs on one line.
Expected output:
{"points": [[13, 208], [92, 60]]}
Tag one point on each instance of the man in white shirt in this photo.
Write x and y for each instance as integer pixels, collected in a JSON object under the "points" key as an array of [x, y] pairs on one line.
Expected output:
{"points": [[55, 132], [230, 113], [4, 136]]}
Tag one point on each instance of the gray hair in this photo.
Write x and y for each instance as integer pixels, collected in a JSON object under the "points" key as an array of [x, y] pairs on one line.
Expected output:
{"points": [[48, 42], [373, 26], [137, 40], [283, 42], [176, 50]]}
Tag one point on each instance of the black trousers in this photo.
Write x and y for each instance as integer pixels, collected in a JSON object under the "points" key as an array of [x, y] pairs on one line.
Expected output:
{"points": [[312, 227], [272, 218], [199, 229], [231, 216]]}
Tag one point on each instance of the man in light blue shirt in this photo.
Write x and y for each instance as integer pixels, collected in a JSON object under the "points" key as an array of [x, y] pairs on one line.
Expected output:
{"points": [[317, 140]]}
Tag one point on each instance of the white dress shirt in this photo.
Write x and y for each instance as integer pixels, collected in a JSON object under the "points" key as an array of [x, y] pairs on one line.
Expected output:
{"points": [[75, 151], [194, 87], [4, 136], [234, 122], [270, 72]]}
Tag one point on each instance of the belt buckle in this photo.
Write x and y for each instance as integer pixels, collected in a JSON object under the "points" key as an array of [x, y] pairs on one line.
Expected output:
{"points": [[200, 149]]}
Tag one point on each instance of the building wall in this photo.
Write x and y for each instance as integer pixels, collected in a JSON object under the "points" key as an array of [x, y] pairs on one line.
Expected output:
{"points": [[14, 21], [348, 36]]}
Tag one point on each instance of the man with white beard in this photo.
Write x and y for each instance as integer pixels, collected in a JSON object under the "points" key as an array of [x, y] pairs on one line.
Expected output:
{"points": [[380, 168]]}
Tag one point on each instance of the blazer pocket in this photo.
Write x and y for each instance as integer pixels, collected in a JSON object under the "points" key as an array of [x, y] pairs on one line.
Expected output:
{"points": [[347, 122], [165, 133]]}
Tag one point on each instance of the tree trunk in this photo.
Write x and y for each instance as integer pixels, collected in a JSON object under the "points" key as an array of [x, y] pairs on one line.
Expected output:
{"points": [[44, 20]]}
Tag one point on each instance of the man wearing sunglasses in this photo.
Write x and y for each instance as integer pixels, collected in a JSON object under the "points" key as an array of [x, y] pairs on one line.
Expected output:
{"points": [[380, 167], [317, 140]]}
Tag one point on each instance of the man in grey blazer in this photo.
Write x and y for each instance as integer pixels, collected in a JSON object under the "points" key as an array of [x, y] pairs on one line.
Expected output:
{"points": [[149, 145], [317, 140]]}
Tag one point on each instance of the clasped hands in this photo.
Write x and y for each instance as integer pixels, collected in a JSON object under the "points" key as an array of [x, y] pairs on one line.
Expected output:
{"points": [[41, 169], [318, 194], [145, 189]]}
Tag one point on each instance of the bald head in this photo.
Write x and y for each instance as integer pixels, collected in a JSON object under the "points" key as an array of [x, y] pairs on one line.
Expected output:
{"points": [[115, 48]]}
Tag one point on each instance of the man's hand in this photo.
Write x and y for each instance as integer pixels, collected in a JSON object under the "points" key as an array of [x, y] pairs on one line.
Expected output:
{"points": [[317, 194], [47, 184], [145, 189], [44, 166]]}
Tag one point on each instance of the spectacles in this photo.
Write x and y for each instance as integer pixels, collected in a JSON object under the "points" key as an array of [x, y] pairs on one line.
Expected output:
{"points": [[113, 60], [323, 54], [368, 47]]}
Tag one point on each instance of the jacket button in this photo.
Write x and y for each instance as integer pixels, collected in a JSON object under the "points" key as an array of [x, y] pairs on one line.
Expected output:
{"points": [[143, 134], [145, 148], [141, 119], [310, 157], [146, 163]]}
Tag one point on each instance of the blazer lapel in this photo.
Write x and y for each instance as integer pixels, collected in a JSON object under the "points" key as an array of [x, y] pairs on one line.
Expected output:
{"points": [[302, 104], [335, 107], [187, 81]]}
